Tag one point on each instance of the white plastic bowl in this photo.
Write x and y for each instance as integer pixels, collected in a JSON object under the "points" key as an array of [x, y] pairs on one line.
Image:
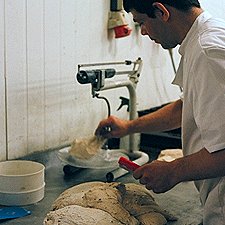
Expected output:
{"points": [[22, 182], [22, 198]]}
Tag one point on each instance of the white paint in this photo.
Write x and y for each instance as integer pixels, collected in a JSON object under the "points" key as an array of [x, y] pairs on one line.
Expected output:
{"points": [[44, 42], [2, 85], [35, 76], [217, 8], [16, 75], [52, 71]]}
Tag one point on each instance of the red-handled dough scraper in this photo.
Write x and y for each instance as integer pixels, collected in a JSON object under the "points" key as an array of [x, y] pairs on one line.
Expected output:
{"points": [[127, 164]]}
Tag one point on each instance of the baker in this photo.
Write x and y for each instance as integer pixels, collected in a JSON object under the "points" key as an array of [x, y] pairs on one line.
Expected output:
{"points": [[201, 110]]}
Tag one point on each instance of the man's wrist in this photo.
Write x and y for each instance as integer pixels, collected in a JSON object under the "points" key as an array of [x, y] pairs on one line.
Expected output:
{"points": [[131, 127], [178, 168]]}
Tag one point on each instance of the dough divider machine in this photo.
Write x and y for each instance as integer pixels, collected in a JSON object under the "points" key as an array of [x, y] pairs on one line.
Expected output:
{"points": [[102, 79]]}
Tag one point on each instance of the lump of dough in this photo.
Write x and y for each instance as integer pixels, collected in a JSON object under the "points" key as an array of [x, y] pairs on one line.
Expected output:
{"points": [[128, 203], [139, 202], [99, 195], [86, 148], [152, 218], [74, 195], [108, 198], [77, 215], [169, 155]]}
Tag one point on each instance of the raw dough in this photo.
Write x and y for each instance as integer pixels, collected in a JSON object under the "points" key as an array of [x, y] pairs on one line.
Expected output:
{"points": [[169, 155], [127, 204], [109, 199], [140, 204], [74, 195], [152, 218], [99, 195], [77, 215], [86, 148]]}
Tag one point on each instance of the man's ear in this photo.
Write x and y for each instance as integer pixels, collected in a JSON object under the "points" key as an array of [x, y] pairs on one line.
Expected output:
{"points": [[161, 11]]}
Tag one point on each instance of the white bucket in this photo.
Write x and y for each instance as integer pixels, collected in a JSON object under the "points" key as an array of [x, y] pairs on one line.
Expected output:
{"points": [[22, 182]]}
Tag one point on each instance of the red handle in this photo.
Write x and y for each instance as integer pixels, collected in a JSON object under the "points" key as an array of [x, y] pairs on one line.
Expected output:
{"points": [[127, 164]]}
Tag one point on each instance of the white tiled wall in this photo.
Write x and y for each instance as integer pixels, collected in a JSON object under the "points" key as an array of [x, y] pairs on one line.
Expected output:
{"points": [[2, 86], [41, 44], [216, 8]]}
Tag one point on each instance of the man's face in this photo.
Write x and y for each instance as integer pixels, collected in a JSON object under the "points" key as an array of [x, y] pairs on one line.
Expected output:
{"points": [[157, 30]]}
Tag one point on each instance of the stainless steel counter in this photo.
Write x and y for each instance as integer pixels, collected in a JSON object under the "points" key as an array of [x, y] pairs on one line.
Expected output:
{"points": [[182, 201]]}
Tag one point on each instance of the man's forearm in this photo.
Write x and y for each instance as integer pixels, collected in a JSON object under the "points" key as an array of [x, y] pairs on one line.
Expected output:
{"points": [[200, 165], [166, 118]]}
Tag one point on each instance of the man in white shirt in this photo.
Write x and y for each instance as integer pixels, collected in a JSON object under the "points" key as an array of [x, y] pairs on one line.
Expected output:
{"points": [[201, 111]]}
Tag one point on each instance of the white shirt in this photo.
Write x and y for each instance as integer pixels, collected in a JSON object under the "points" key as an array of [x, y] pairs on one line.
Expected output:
{"points": [[201, 73]]}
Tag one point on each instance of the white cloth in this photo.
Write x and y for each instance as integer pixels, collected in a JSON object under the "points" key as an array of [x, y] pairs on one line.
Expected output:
{"points": [[201, 74]]}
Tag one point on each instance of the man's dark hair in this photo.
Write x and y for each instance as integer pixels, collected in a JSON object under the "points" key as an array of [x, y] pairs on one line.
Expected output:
{"points": [[145, 6]]}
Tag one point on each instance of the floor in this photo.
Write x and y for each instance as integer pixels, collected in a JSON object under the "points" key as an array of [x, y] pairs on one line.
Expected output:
{"points": [[182, 201]]}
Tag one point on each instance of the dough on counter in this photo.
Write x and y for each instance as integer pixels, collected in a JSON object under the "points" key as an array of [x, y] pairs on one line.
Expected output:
{"points": [[169, 155], [74, 195], [141, 204], [127, 204], [108, 198], [86, 148], [152, 218], [78, 215], [99, 195]]}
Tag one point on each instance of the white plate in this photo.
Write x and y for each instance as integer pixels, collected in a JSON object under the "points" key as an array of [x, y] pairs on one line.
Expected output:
{"points": [[105, 159]]}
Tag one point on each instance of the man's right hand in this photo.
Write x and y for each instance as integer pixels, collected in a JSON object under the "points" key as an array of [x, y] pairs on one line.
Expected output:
{"points": [[112, 127]]}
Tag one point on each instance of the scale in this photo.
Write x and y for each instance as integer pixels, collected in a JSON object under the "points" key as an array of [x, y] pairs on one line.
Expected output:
{"points": [[101, 79]]}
